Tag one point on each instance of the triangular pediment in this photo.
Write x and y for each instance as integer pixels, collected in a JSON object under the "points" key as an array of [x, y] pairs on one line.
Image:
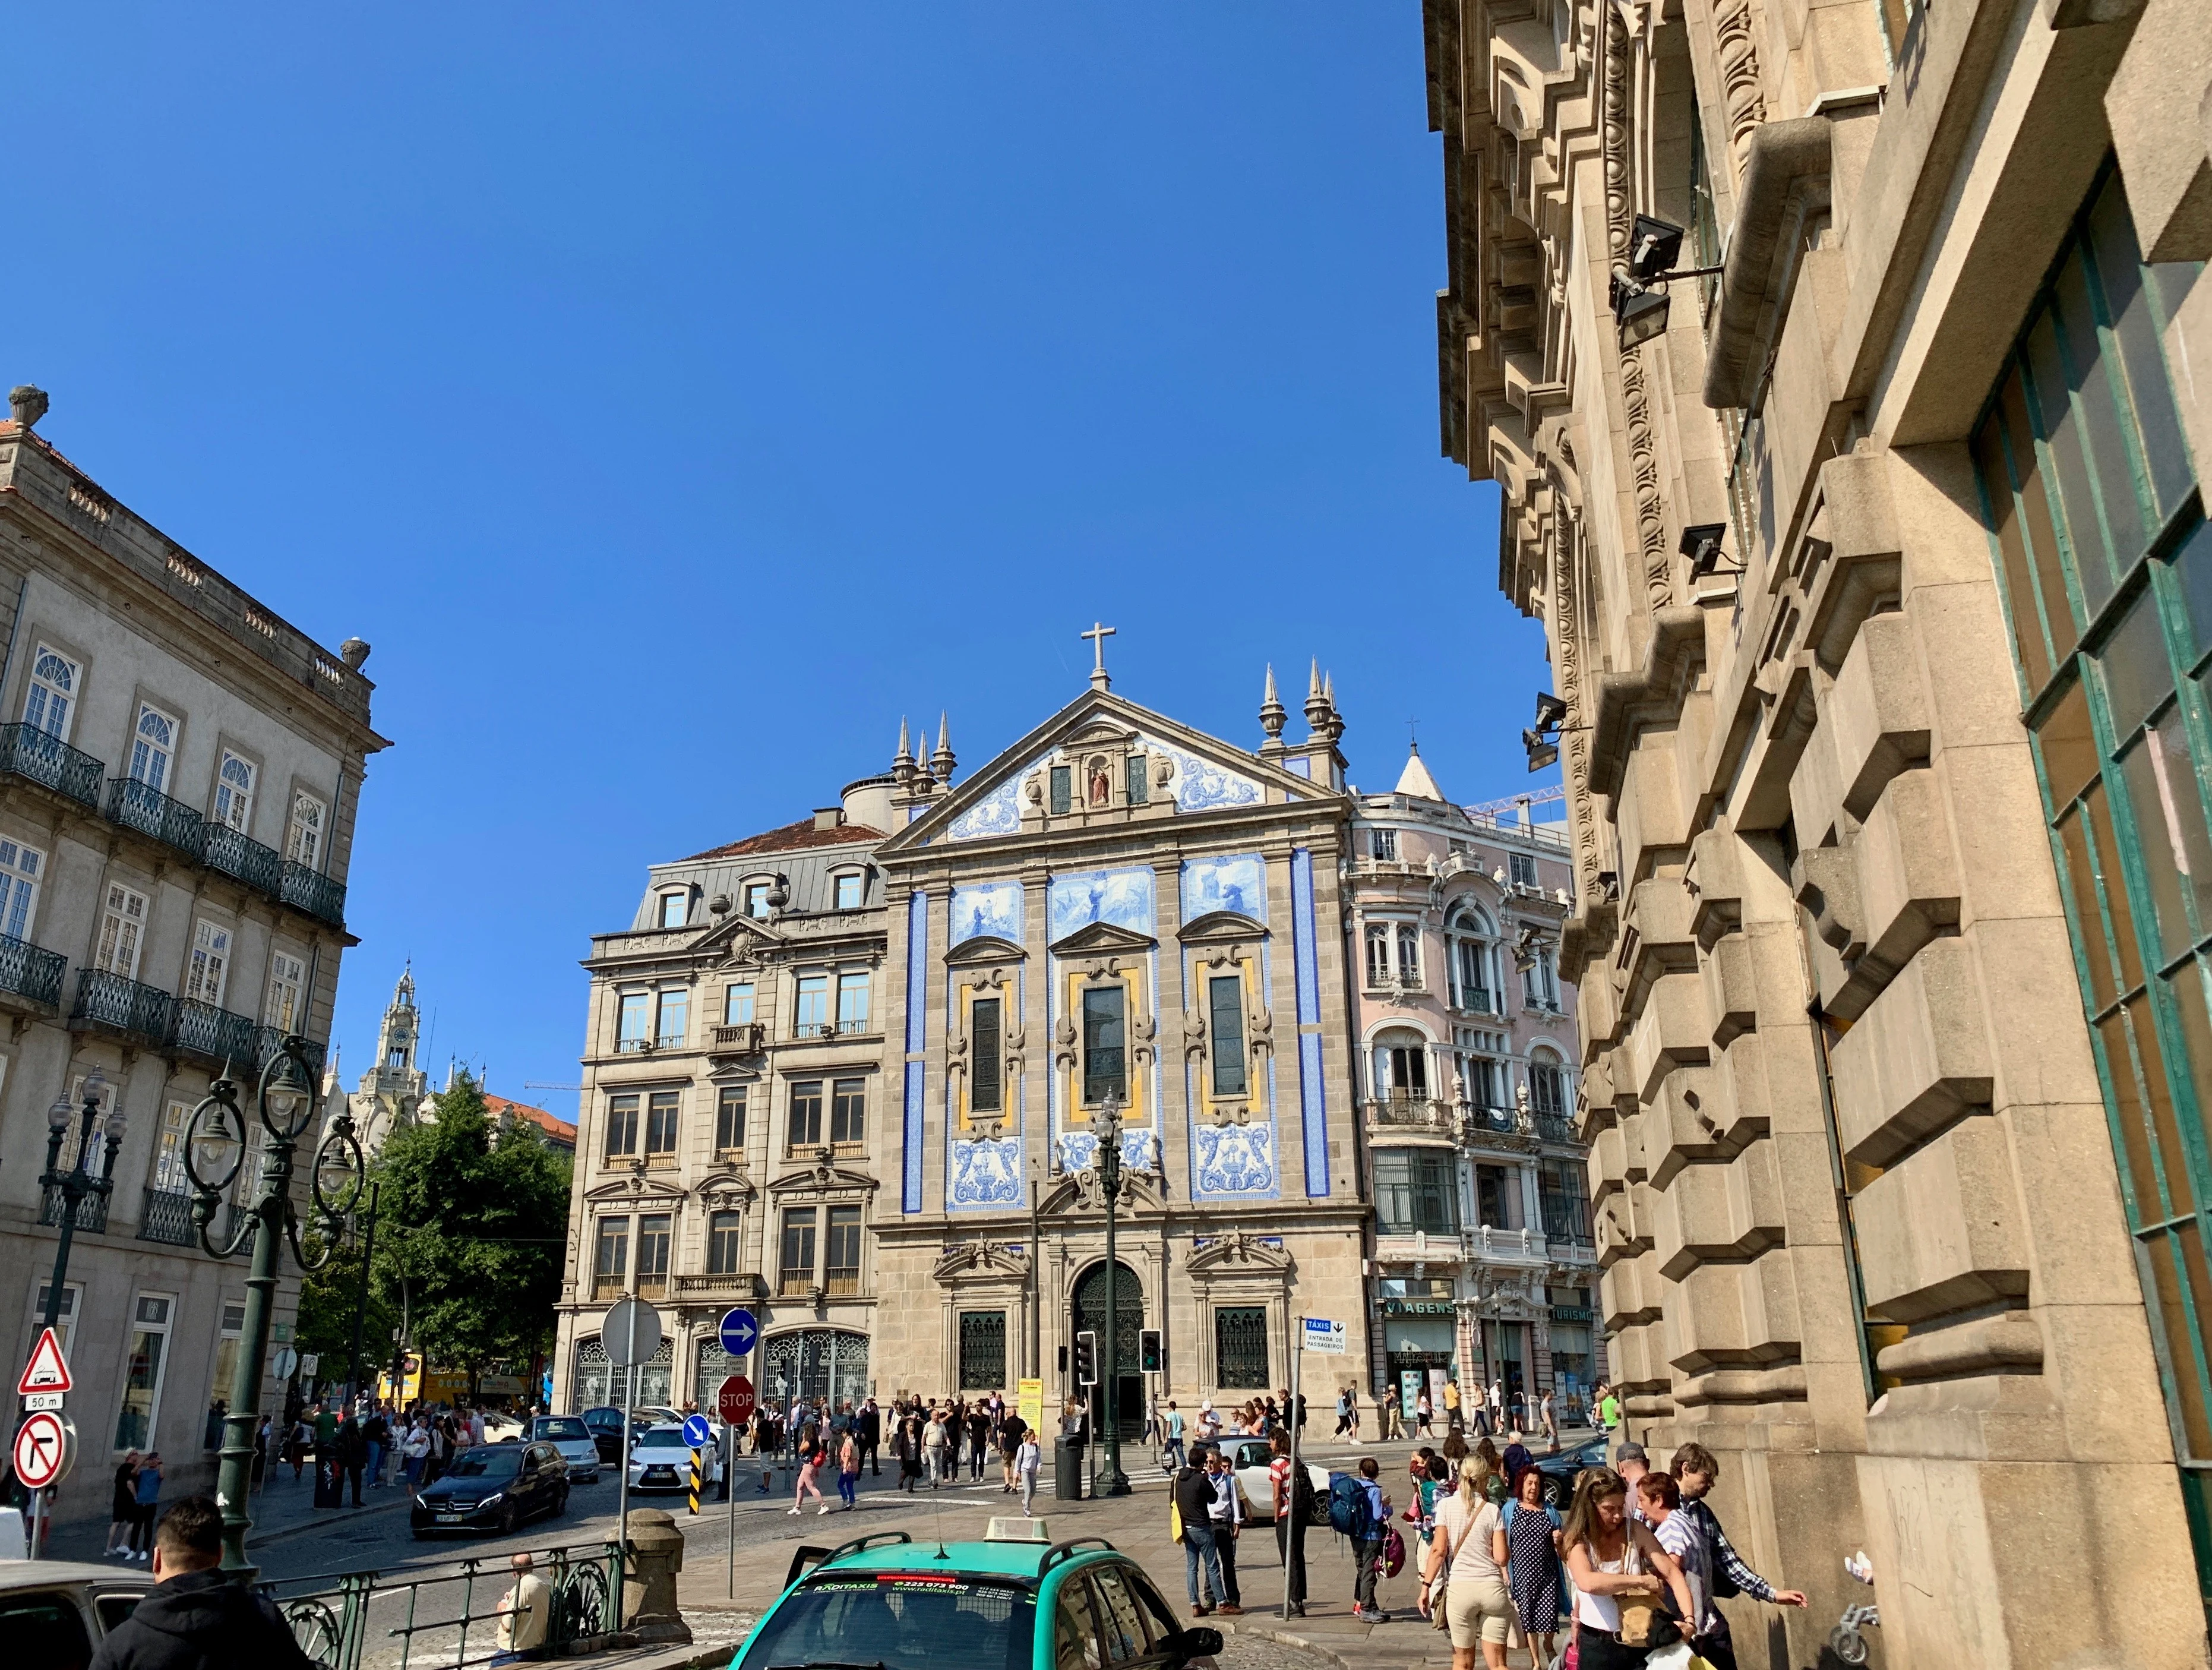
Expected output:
{"points": [[737, 936], [638, 1185], [1208, 774], [1217, 926], [984, 948], [1102, 939], [1239, 1253]]}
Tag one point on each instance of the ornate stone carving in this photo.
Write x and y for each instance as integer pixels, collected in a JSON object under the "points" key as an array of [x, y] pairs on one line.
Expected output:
{"points": [[1739, 55]]}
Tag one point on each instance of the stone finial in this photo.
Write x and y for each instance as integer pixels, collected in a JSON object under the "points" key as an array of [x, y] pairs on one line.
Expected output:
{"points": [[1334, 723], [1273, 714], [903, 761], [29, 403], [353, 652], [941, 762], [1316, 703]]}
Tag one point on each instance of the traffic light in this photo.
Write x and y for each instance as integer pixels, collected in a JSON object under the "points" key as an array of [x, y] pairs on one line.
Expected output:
{"points": [[1148, 1351], [1086, 1358]]}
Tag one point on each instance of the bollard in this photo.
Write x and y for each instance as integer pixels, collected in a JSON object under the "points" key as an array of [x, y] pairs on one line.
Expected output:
{"points": [[694, 1482], [656, 1556]]}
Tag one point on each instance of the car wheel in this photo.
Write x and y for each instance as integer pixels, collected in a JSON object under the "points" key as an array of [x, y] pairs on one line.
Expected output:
{"points": [[508, 1520], [1553, 1493], [420, 1535]]}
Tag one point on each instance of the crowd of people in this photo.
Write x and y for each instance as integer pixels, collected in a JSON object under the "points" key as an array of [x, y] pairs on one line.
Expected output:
{"points": [[931, 1441]]}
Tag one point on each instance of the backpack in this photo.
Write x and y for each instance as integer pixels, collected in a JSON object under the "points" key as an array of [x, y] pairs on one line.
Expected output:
{"points": [[1394, 1552], [1348, 1514]]}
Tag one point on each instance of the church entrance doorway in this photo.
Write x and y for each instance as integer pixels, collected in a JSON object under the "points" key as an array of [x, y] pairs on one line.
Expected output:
{"points": [[1090, 1313]]}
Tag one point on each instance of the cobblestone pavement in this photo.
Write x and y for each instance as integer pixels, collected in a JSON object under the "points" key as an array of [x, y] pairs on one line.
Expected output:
{"points": [[1241, 1652]]}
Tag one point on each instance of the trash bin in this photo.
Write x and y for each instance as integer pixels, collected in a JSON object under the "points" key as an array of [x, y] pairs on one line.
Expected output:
{"points": [[1067, 1469]]}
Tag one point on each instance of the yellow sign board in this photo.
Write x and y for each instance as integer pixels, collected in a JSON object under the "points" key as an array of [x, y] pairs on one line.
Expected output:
{"points": [[1030, 1403]]}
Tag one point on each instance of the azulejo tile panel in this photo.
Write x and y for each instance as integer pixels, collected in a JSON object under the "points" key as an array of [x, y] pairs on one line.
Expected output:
{"points": [[999, 812], [993, 907], [1237, 883], [986, 1172], [1234, 1159], [1079, 1150], [1141, 1151], [1121, 896], [1199, 784]]}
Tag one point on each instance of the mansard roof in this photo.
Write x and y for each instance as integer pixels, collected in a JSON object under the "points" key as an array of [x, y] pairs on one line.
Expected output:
{"points": [[790, 838]]}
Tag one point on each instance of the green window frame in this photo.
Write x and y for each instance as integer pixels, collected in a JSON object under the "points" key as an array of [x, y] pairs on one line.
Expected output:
{"points": [[1063, 789], [1225, 996], [985, 1088], [1104, 1057], [2103, 561]]}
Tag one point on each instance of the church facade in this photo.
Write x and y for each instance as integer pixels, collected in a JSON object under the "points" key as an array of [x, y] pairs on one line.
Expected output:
{"points": [[1119, 912]]}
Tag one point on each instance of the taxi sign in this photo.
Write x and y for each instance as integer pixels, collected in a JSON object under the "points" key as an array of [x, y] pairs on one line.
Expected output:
{"points": [[1324, 1337], [46, 1371], [46, 1444]]}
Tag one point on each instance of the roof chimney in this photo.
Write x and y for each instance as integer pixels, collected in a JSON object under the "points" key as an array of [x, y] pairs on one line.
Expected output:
{"points": [[829, 817]]}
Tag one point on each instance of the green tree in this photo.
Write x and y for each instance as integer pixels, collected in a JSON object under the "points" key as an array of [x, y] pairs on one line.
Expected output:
{"points": [[328, 1299], [473, 1220]]}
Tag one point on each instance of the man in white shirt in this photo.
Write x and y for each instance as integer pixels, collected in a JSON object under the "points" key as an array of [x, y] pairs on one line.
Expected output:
{"points": [[525, 1612]]}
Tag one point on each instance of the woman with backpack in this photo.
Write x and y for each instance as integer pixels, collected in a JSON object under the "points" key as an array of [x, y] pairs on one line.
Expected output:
{"points": [[1532, 1546]]}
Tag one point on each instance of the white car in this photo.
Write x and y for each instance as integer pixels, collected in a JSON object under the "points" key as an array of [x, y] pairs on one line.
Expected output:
{"points": [[1248, 1458], [660, 1460], [62, 1611], [568, 1434]]}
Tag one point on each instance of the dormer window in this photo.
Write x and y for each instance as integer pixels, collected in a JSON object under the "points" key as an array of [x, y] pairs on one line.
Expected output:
{"points": [[675, 908], [848, 891], [756, 899]]}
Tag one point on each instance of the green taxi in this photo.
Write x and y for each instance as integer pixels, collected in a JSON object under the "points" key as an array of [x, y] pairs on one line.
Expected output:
{"points": [[887, 1602]]}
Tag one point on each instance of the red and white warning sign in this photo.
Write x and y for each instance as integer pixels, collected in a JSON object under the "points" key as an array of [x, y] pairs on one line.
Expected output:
{"points": [[46, 1371], [46, 1444]]}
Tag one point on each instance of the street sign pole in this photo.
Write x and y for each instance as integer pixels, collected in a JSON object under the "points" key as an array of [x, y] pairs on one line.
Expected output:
{"points": [[1294, 1541], [730, 1494]]}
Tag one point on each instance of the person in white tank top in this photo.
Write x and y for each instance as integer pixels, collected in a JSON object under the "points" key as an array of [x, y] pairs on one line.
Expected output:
{"points": [[1610, 1556]]}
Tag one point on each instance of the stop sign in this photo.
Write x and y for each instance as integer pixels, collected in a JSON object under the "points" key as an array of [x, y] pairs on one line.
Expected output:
{"points": [[734, 1402]]}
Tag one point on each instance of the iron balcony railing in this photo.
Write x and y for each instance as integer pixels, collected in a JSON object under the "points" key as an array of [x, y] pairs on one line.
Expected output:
{"points": [[213, 1034], [167, 1216], [268, 1040], [109, 1000], [91, 1211], [1555, 1127], [29, 972], [1490, 1119], [395, 1620], [138, 805], [28, 752], [259, 867], [318, 895]]}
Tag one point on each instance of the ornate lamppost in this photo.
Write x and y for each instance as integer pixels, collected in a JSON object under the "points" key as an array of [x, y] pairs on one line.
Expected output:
{"points": [[215, 1148], [75, 1185], [1109, 1128]]}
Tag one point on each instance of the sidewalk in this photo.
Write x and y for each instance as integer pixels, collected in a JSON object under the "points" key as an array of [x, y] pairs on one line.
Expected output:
{"points": [[281, 1510], [1137, 1525]]}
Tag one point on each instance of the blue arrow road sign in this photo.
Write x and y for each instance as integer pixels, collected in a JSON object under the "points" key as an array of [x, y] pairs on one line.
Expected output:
{"points": [[697, 1431], [739, 1331]]}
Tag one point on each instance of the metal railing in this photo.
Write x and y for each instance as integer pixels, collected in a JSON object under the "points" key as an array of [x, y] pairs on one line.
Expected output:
{"points": [[741, 1284], [142, 806], [213, 1034], [1555, 1127], [91, 1211], [236, 854], [1491, 1118], [318, 895], [268, 1040], [842, 1283], [167, 1216], [29, 972], [1417, 1114], [416, 1614], [28, 752], [109, 1000]]}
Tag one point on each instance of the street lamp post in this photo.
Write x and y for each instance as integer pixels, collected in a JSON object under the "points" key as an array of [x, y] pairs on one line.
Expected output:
{"points": [[215, 1151], [1116, 1482], [76, 1184]]}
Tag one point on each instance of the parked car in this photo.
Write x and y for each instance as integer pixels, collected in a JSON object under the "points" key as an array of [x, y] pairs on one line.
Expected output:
{"points": [[1559, 1471], [887, 1600], [660, 1460], [568, 1434], [606, 1423], [1248, 1458], [54, 1613], [493, 1487]]}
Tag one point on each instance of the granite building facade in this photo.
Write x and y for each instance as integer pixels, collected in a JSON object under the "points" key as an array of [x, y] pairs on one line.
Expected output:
{"points": [[1871, 564]]}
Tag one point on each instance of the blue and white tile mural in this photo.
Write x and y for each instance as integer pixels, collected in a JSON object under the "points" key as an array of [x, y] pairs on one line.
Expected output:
{"points": [[1234, 1159], [1199, 784], [1077, 1150], [1238, 884], [986, 1171], [1121, 896], [999, 812], [1141, 1151], [994, 907]]}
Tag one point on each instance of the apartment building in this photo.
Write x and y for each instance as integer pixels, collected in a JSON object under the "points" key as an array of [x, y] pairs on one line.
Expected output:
{"points": [[1484, 1267], [179, 771]]}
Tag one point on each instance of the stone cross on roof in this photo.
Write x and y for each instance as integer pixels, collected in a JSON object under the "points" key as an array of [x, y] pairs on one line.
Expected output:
{"points": [[1099, 634]]}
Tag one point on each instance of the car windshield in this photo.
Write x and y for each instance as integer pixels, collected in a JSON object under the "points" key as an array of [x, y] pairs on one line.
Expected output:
{"points": [[902, 1620], [566, 1426], [487, 1463], [663, 1438]]}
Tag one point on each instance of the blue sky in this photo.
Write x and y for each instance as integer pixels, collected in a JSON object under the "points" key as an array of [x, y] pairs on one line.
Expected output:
{"points": [[676, 396]]}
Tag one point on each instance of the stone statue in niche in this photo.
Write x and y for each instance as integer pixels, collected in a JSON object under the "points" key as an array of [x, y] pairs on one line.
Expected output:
{"points": [[1101, 785]]}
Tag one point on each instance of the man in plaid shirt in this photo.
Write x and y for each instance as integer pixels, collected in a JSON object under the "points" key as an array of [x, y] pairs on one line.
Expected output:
{"points": [[1695, 1470]]}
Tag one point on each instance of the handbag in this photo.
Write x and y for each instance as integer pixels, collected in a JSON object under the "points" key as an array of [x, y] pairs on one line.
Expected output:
{"points": [[1645, 1620], [1440, 1590]]}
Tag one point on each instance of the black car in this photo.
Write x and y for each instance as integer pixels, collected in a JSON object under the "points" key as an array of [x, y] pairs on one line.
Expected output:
{"points": [[1559, 1471], [493, 1487], [606, 1424]]}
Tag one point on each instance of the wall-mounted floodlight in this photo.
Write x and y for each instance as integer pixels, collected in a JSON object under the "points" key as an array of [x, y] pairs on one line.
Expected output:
{"points": [[1543, 750], [1701, 544], [1639, 294], [1550, 710]]}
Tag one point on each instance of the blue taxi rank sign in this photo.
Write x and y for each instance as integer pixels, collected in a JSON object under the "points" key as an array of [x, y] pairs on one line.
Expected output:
{"points": [[739, 1333]]}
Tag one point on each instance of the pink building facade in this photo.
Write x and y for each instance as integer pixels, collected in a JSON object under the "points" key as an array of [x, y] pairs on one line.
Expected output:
{"points": [[1483, 1268]]}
